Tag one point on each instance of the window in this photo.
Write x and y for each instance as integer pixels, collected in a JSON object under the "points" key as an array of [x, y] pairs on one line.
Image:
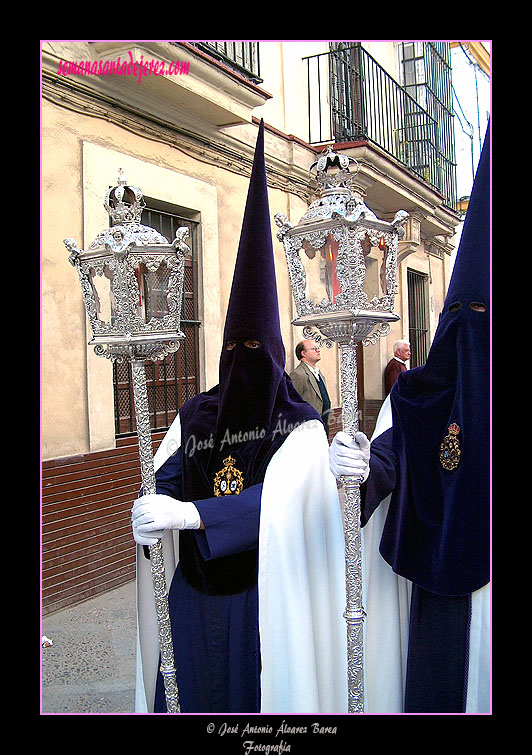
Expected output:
{"points": [[417, 317], [173, 380], [426, 73]]}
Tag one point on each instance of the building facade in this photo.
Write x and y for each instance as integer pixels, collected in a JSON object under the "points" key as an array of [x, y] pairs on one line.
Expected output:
{"points": [[180, 120]]}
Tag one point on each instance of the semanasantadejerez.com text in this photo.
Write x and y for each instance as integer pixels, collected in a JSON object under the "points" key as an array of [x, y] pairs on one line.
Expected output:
{"points": [[119, 67]]}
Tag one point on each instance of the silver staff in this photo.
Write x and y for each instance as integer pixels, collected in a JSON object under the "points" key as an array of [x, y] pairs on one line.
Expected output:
{"points": [[132, 285], [327, 255]]}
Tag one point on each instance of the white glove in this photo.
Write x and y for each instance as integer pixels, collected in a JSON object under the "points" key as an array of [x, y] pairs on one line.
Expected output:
{"points": [[350, 457], [153, 514]]}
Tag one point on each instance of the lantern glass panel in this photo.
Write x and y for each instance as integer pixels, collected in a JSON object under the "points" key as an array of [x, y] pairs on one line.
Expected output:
{"points": [[153, 282], [322, 284], [375, 283], [101, 282]]}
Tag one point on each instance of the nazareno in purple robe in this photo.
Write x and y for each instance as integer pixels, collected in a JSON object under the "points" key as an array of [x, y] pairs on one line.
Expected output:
{"points": [[235, 425], [435, 461]]}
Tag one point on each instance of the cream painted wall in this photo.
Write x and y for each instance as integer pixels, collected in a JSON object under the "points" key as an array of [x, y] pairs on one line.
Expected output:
{"points": [[63, 345], [284, 70], [81, 159], [385, 53]]}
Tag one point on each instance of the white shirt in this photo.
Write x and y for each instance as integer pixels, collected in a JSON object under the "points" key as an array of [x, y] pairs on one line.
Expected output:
{"points": [[315, 370]]}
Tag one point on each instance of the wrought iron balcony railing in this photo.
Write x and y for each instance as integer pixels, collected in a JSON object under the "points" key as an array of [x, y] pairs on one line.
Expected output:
{"points": [[240, 56], [351, 98]]}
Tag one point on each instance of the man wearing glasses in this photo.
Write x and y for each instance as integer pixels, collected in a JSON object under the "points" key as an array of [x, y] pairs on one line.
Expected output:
{"points": [[308, 380]]}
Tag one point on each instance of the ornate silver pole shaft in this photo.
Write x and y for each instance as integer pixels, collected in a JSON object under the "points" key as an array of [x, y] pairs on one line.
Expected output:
{"points": [[354, 612], [142, 413]]}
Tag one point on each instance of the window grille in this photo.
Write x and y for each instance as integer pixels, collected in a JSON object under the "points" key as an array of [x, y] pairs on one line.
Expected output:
{"points": [[427, 77], [173, 380], [418, 332]]}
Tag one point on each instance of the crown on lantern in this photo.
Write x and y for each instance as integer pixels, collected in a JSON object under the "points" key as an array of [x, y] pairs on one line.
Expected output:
{"points": [[338, 194], [124, 202], [341, 179]]}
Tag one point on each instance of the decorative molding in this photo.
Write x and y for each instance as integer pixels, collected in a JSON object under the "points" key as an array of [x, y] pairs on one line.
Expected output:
{"points": [[90, 104]]}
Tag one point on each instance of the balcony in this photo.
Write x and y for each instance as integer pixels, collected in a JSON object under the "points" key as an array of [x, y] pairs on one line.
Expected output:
{"points": [[207, 92], [352, 98], [242, 57]]}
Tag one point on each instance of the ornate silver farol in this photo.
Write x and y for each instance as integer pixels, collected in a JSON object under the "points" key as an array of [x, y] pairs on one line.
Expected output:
{"points": [[338, 231], [134, 328]]}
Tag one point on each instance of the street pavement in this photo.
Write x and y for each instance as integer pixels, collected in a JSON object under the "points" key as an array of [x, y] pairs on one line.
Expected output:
{"points": [[90, 667]]}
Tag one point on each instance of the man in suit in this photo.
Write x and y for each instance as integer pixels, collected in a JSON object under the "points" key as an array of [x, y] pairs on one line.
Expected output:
{"points": [[396, 365], [308, 380]]}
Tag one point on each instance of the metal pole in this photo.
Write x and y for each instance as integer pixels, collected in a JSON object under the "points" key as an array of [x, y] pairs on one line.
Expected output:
{"points": [[354, 612], [142, 413]]}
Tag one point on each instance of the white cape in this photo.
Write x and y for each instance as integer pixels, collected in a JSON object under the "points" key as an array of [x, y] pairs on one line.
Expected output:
{"points": [[387, 605], [301, 582]]}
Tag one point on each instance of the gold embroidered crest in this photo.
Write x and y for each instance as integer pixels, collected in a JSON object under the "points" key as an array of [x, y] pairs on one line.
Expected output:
{"points": [[450, 449], [229, 480]]}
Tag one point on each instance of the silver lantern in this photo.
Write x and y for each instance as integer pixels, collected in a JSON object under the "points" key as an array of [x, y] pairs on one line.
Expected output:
{"points": [[132, 284], [342, 263]]}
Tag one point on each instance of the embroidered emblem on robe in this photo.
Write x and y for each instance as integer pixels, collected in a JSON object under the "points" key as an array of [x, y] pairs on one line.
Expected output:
{"points": [[229, 480], [450, 449]]}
